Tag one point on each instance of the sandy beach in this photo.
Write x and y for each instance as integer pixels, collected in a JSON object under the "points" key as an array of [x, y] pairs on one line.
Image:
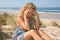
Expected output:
{"points": [[50, 23]]}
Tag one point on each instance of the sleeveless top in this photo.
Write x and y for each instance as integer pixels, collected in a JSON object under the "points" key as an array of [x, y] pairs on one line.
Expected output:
{"points": [[30, 24]]}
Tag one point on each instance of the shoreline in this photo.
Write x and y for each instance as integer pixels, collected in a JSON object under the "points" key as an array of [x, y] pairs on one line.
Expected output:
{"points": [[43, 15], [10, 10]]}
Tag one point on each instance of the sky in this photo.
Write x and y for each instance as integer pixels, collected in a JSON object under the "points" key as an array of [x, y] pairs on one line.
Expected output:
{"points": [[38, 3]]}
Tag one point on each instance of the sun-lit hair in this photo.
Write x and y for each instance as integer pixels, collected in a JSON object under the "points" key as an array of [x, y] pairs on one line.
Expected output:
{"points": [[27, 5]]}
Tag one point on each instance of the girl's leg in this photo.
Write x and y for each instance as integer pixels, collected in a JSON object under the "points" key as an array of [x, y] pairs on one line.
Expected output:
{"points": [[31, 34], [43, 35]]}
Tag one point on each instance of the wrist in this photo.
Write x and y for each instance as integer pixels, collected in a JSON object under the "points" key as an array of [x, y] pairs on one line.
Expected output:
{"points": [[24, 16]]}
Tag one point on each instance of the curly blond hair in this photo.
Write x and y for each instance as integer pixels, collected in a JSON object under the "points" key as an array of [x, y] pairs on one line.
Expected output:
{"points": [[27, 5]]}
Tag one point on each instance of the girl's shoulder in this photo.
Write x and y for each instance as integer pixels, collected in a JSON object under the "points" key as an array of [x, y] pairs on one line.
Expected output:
{"points": [[20, 17]]}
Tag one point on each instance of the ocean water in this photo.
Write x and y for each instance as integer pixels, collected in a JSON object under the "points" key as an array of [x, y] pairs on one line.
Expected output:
{"points": [[55, 12], [49, 9]]}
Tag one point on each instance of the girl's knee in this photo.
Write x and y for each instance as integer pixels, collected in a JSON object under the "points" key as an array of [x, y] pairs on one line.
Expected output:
{"points": [[32, 32]]}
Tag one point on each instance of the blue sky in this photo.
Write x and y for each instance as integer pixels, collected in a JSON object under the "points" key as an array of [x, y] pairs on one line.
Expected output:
{"points": [[38, 3]]}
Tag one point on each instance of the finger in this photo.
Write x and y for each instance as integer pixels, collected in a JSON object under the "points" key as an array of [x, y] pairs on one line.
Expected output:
{"points": [[27, 11], [30, 15]]}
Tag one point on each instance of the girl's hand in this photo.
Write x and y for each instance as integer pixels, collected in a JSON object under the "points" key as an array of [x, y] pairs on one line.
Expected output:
{"points": [[28, 13]]}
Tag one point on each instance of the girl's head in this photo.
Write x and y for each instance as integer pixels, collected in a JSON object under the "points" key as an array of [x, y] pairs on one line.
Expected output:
{"points": [[27, 6]]}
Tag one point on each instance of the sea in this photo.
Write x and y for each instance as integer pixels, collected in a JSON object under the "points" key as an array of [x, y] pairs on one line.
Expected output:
{"points": [[54, 11], [39, 9]]}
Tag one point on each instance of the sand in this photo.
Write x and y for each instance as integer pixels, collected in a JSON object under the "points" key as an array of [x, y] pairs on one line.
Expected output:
{"points": [[50, 23]]}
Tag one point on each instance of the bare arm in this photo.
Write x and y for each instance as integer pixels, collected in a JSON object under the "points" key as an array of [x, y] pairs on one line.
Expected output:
{"points": [[37, 21], [26, 22], [34, 23], [23, 23]]}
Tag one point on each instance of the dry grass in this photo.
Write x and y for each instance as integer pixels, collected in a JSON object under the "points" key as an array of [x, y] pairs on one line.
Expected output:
{"points": [[50, 22]]}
